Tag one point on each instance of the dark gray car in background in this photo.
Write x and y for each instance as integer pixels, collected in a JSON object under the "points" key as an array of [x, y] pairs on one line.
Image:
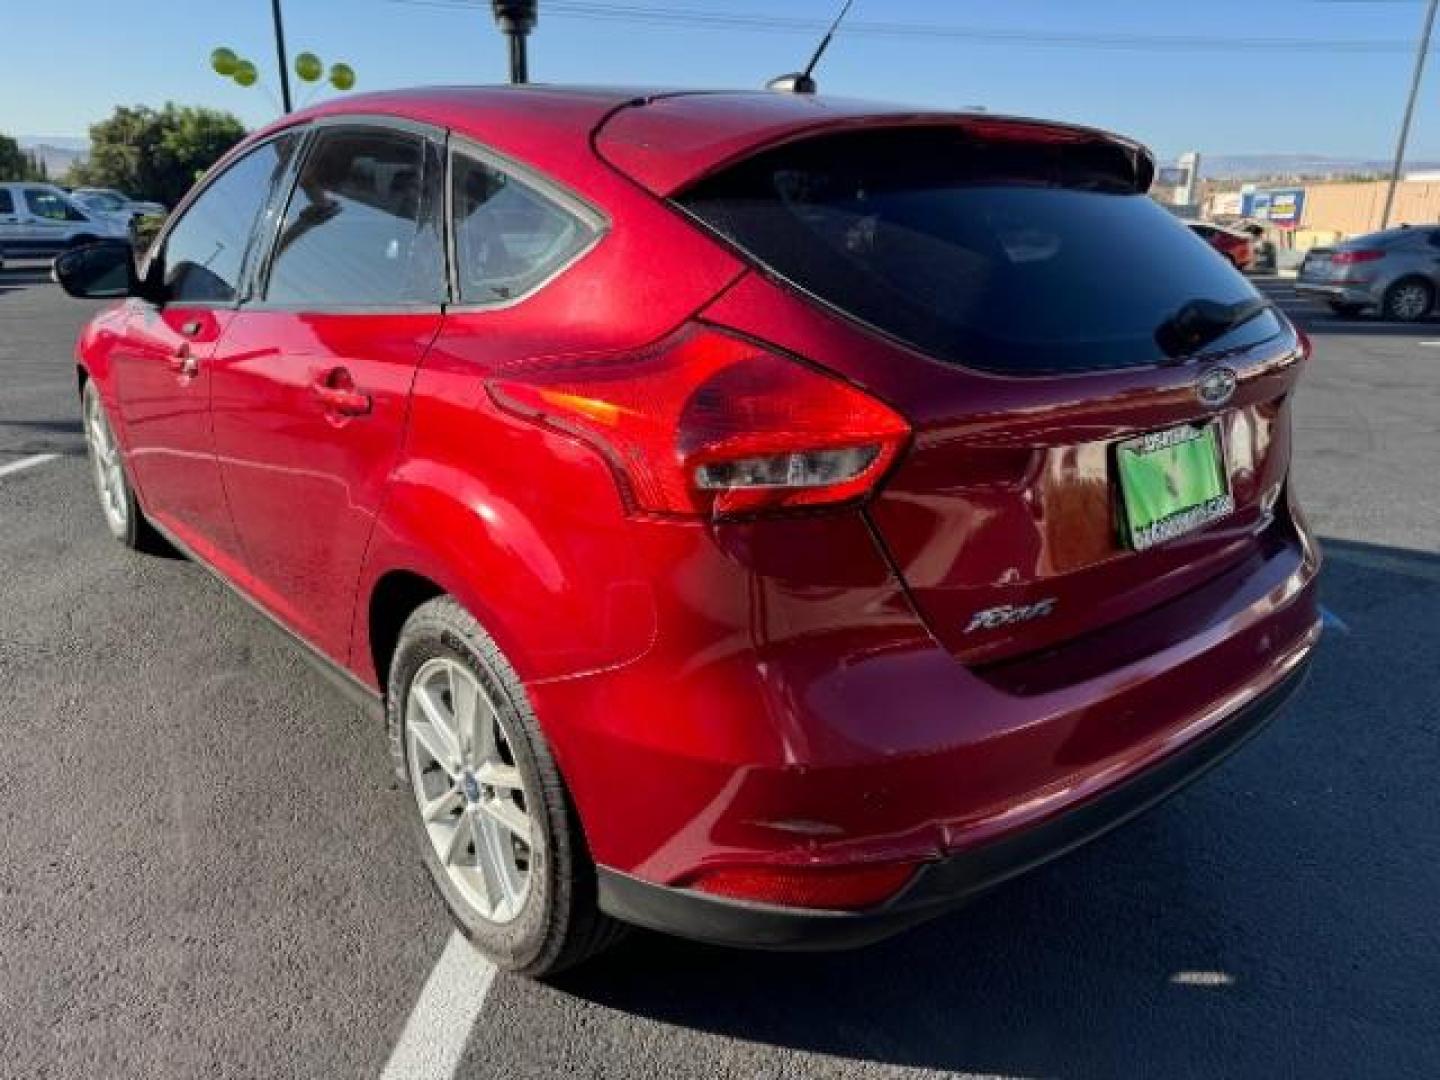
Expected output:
{"points": [[1395, 273]]}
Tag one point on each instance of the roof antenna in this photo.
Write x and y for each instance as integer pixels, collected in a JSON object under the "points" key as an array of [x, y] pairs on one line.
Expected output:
{"points": [[800, 82]]}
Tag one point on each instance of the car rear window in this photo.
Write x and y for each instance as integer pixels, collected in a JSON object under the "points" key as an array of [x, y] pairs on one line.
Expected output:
{"points": [[1009, 256]]}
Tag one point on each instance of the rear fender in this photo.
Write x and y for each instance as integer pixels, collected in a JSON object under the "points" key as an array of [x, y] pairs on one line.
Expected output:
{"points": [[552, 616]]}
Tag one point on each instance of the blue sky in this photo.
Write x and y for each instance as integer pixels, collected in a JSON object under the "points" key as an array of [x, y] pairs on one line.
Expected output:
{"points": [[63, 66]]}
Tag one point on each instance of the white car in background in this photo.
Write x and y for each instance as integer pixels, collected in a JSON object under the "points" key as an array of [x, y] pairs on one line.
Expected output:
{"points": [[41, 220], [110, 201]]}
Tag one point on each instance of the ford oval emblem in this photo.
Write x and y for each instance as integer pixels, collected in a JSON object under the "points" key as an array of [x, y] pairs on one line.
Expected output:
{"points": [[1216, 387]]}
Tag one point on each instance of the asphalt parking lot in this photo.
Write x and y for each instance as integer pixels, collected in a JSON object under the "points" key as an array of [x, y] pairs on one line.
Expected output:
{"points": [[204, 869]]}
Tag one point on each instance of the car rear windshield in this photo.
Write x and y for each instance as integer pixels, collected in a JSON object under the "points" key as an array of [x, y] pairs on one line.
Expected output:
{"points": [[1011, 256]]}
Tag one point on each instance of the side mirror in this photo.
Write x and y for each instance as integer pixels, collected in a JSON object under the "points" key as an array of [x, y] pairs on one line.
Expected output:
{"points": [[100, 271]]}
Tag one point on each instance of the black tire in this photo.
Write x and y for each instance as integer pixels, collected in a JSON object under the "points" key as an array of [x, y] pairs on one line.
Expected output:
{"points": [[560, 923], [1399, 304], [1345, 311], [128, 525]]}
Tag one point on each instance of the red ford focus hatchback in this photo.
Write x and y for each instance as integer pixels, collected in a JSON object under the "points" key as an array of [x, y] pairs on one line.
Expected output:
{"points": [[760, 518]]}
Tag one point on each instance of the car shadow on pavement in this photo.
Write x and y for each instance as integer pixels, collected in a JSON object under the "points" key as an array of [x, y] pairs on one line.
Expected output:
{"points": [[65, 437], [1277, 918]]}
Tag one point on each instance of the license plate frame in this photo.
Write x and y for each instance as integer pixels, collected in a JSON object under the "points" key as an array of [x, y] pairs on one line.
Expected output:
{"points": [[1171, 483]]}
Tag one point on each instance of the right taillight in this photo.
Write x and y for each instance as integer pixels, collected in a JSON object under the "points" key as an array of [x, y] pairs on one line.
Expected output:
{"points": [[1350, 258], [711, 424]]}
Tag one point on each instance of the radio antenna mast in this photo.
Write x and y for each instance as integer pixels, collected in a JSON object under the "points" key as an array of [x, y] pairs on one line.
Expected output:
{"points": [[802, 82]]}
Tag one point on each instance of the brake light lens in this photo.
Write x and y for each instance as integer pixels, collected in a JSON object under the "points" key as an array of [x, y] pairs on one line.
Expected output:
{"points": [[1351, 258], [839, 888], [711, 424]]}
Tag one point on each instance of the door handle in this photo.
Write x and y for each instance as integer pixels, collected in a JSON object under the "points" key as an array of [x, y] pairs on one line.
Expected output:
{"points": [[183, 362], [338, 395]]}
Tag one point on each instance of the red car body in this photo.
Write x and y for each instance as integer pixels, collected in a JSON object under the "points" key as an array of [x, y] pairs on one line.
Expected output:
{"points": [[778, 725]]}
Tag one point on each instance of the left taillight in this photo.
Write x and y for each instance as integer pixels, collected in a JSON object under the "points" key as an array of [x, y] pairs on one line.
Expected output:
{"points": [[711, 424]]}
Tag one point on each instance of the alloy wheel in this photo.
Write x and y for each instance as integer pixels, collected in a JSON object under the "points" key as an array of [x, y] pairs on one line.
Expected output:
{"points": [[1410, 301], [105, 460], [469, 790]]}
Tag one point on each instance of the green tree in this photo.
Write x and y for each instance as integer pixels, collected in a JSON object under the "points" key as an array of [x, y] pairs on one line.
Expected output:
{"points": [[17, 164], [156, 154]]}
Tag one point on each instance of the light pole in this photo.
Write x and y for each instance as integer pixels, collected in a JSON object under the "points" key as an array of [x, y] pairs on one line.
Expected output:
{"points": [[516, 18], [1420, 55], [280, 54]]}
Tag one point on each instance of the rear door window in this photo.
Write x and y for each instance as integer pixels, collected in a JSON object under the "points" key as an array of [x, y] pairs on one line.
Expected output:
{"points": [[7, 202], [363, 225], [1006, 256]]}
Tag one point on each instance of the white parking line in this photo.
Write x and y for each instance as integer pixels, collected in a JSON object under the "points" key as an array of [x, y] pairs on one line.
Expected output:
{"points": [[26, 463], [1430, 344], [439, 1025]]}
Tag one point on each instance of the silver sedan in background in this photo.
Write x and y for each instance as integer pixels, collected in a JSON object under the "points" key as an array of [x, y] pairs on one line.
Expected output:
{"points": [[1395, 272]]}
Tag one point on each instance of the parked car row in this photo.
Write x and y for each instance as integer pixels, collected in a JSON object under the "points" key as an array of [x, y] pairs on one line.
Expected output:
{"points": [[109, 201], [40, 220], [1395, 273]]}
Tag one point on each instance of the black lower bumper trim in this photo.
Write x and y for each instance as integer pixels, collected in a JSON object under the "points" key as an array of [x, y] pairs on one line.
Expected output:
{"points": [[947, 883]]}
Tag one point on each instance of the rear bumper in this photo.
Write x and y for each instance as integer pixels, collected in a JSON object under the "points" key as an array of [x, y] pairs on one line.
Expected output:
{"points": [[1337, 293], [943, 884]]}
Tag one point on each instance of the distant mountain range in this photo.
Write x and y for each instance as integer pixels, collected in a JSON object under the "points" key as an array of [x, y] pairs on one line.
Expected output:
{"points": [[1239, 166], [57, 152]]}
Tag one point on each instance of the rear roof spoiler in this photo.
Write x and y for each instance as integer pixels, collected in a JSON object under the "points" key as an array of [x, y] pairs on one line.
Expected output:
{"points": [[667, 143]]}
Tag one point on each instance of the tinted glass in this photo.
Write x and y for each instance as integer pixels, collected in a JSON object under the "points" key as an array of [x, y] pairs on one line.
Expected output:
{"points": [[1007, 256], [362, 228], [205, 251], [51, 206], [509, 237], [7, 204], [104, 201]]}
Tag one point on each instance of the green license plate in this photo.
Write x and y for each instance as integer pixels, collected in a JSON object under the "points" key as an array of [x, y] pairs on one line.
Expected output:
{"points": [[1172, 482]]}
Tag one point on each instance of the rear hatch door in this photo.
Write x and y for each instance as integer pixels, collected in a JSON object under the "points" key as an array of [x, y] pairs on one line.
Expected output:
{"points": [[1099, 404]]}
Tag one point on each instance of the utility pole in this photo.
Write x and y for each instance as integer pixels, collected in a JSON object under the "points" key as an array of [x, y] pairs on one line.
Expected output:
{"points": [[1420, 55], [280, 54], [516, 18]]}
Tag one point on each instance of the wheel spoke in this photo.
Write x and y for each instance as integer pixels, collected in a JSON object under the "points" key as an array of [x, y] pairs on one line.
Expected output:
{"points": [[440, 807], [488, 853], [510, 816], [434, 733], [465, 699], [498, 774], [460, 839], [436, 745]]}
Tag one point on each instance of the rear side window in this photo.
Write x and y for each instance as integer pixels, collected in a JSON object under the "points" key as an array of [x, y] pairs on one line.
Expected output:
{"points": [[7, 202], [1013, 257], [363, 225], [510, 238]]}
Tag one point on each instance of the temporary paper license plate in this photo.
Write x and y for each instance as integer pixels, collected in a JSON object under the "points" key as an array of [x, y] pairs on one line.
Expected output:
{"points": [[1172, 482]]}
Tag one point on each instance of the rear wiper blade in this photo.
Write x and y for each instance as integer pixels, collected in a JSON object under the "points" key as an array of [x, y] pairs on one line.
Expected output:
{"points": [[1199, 322]]}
